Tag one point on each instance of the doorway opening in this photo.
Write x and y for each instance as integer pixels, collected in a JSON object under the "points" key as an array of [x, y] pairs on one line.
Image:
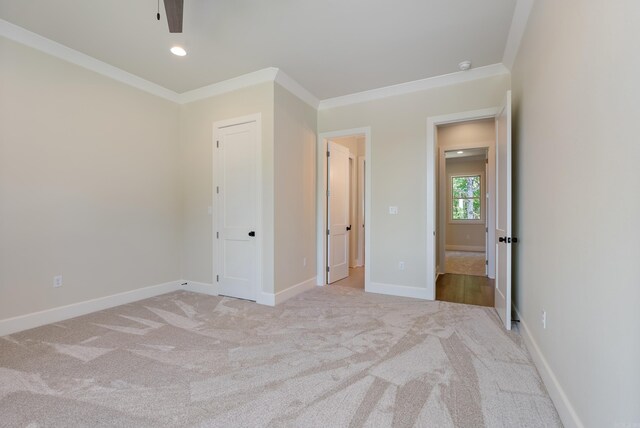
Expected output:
{"points": [[343, 204], [498, 177], [465, 264]]}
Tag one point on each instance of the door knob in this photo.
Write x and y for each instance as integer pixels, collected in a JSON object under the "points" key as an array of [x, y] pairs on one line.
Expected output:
{"points": [[252, 233], [348, 227], [502, 239]]}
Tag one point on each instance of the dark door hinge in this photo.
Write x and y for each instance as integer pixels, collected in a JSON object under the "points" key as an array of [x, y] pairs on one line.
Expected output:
{"points": [[217, 278], [217, 144]]}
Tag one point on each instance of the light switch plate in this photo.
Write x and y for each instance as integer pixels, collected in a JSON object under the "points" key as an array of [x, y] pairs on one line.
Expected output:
{"points": [[393, 210]]}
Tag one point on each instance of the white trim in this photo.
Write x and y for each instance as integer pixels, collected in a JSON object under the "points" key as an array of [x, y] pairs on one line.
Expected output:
{"points": [[567, 413], [296, 289], [229, 85], [432, 156], [260, 231], [270, 74], [61, 313], [518, 27], [398, 290], [36, 41], [480, 248], [321, 200], [199, 287], [415, 86], [296, 89], [271, 299]]}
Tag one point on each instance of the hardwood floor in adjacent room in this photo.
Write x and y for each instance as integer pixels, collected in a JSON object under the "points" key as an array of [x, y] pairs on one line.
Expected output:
{"points": [[354, 280], [469, 289]]}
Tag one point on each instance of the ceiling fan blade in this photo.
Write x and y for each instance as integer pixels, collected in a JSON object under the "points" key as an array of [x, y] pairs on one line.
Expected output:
{"points": [[174, 9]]}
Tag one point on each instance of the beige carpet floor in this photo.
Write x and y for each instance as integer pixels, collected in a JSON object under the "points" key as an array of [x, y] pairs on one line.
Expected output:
{"points": [[332, 357], [465, 262]]}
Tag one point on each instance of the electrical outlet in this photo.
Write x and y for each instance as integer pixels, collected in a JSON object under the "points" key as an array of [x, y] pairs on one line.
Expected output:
{"points": [[401, 265], [543, 319], [57, 281]]}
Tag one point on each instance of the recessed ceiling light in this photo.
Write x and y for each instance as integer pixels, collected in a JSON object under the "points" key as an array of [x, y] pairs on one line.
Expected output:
{"points": [[464, 65], [177, 50], [459, 152]]}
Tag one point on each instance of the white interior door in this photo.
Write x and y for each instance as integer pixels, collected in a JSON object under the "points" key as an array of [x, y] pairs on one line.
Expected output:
{"points": [[236, 191], [503, 212], [338, 213]]}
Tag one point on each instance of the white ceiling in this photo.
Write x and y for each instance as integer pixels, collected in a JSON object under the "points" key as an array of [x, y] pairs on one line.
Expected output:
{"points": [[331, 47]]}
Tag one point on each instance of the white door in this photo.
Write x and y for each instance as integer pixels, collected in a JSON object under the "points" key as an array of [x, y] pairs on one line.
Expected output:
{"points": [[503, 212], [338, 212], [236, 197]]}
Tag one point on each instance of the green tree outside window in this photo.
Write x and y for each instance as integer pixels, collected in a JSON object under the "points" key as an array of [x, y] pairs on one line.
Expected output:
{"points": [[465, 197]]}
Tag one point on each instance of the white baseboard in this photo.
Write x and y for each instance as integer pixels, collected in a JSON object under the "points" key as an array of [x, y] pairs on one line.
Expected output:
{"points": [[397, 290], [566, 411], [271, 299], [474, 248], [294, 290], [37, 319], [199, 287]]}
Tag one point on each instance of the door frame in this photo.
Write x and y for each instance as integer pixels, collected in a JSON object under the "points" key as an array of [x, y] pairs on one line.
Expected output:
{"points": [[432, 178], [489, 181], [260, 226], [321, 201]]}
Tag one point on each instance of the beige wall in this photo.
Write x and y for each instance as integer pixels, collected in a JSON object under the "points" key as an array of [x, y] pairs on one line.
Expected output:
{"points": [[295, 190], [196, 166], [398, 174], [89, 185], [465, 234], [576, 179]]}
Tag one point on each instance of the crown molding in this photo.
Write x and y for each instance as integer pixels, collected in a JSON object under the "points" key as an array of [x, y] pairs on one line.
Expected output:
{"points": [[229, 85], [516, 32], [415, 86], [271, 74], [296, 89], [36, 41]]}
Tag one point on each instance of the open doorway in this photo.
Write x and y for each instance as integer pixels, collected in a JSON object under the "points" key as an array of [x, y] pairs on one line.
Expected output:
{"points": [[465, 262], [343, 204]]}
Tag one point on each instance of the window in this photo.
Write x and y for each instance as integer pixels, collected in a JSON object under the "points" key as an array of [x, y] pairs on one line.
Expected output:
{"points": [[465, 197]]}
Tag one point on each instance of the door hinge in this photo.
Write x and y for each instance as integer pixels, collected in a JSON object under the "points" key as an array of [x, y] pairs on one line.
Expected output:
{"points": [[217, 235], [486, 161], [328, 153], [217, 278], [217, 189], [486, 229], [486, 262], [327, 232], [328, 269], [217, 144]]}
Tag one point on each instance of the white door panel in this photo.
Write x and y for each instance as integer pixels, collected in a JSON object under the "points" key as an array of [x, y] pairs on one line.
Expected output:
{"points": [[236, 210], [338, 210], [503, 212]]}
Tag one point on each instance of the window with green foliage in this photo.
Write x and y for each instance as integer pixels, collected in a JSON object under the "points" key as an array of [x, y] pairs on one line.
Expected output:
{"points": [[465, 197]]}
